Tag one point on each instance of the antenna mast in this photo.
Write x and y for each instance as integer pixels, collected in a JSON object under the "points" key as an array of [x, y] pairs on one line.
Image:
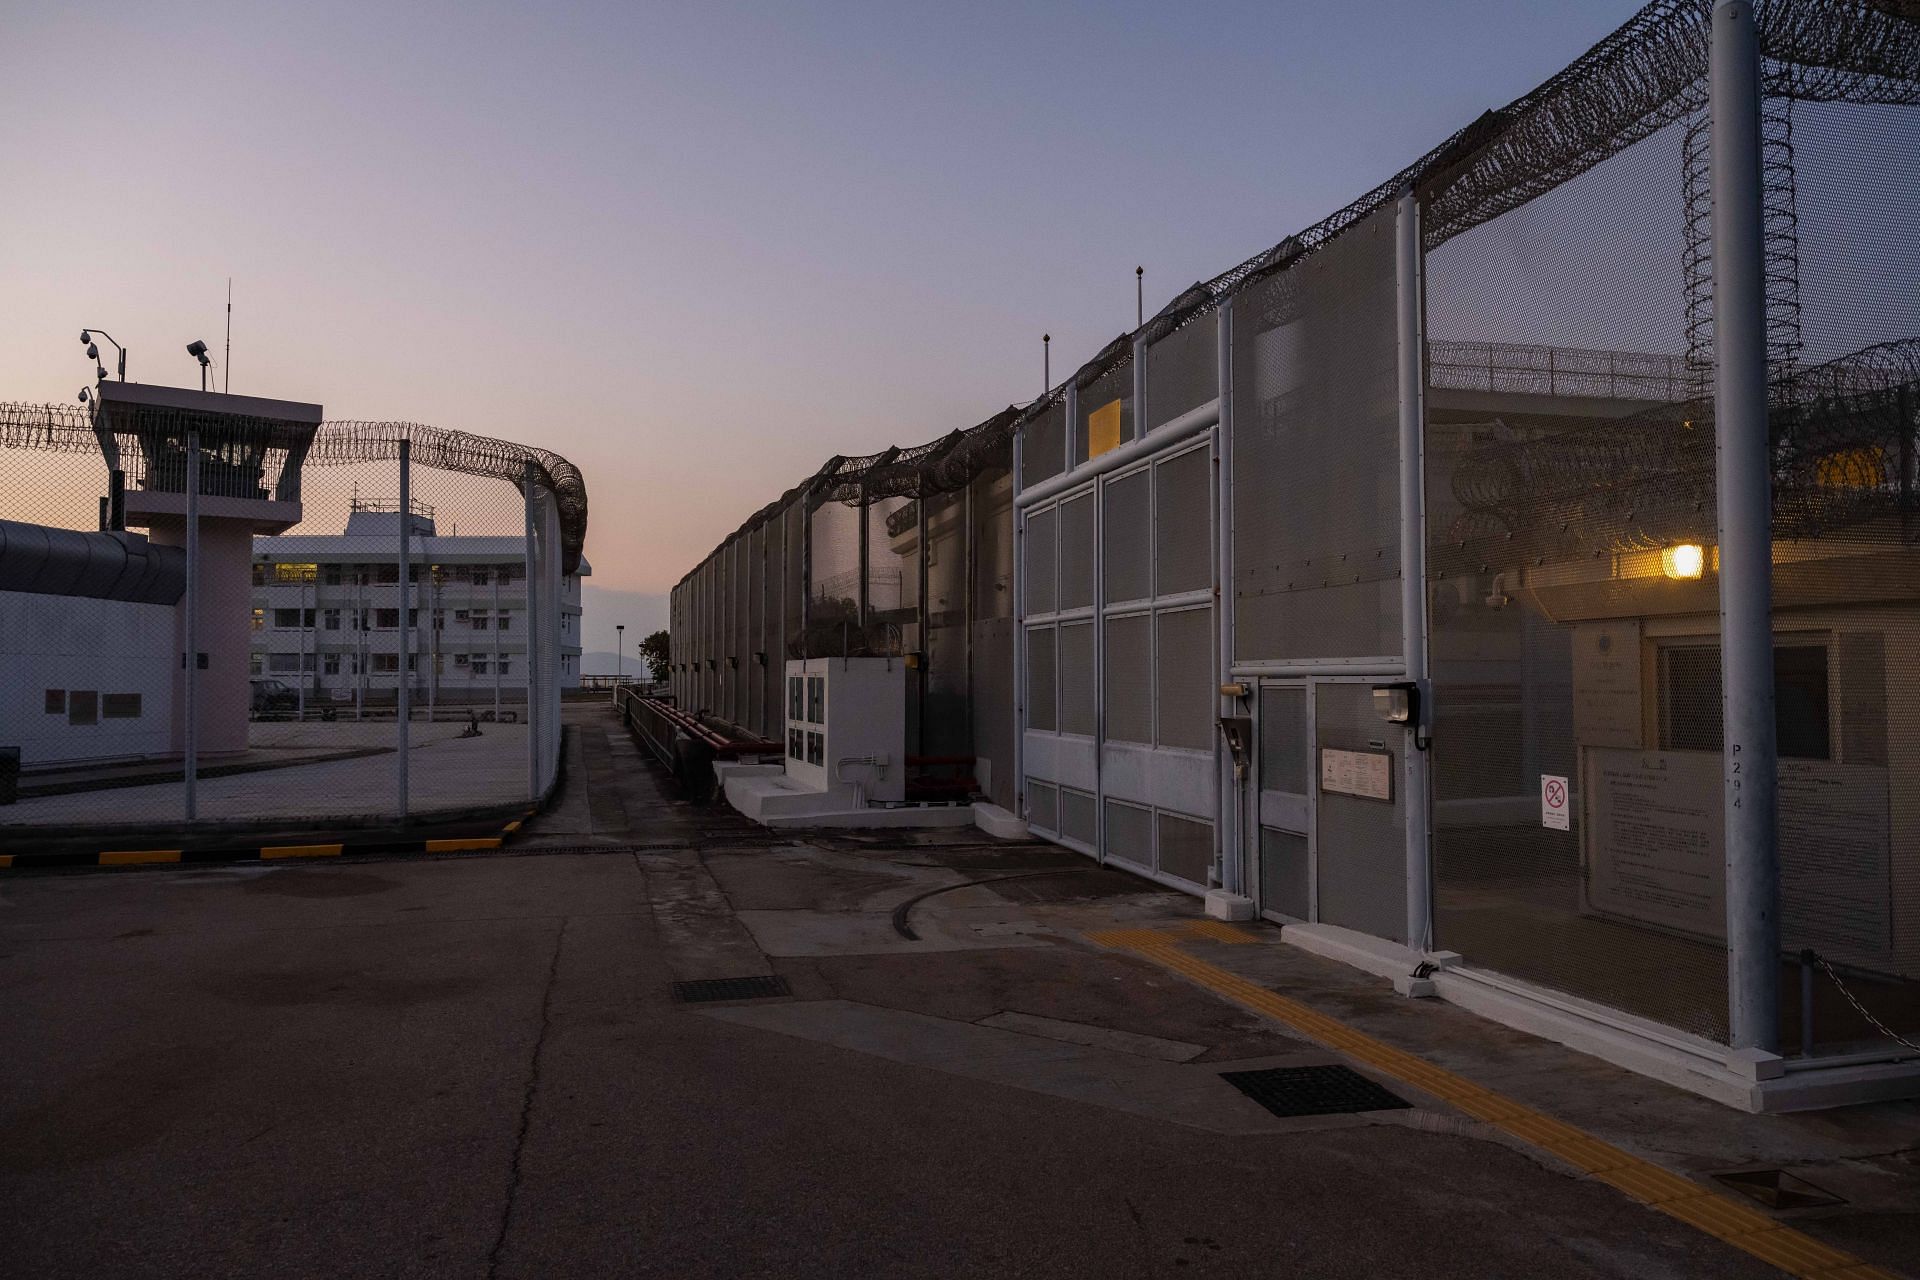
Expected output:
{"points": [[226, 360]]}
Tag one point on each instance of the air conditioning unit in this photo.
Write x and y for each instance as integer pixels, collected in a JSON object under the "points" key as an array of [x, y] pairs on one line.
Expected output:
{"points": [[847, 727]]}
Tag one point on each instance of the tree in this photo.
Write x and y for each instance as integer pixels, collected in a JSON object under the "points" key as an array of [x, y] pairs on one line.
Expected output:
{"points": [[654, 650]]}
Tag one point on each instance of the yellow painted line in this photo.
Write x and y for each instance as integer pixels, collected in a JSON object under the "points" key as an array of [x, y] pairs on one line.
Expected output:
{"points": [[6, 859], [512, 827], [131, 857], [1728, 1220], [461, 846], [301, 850]]}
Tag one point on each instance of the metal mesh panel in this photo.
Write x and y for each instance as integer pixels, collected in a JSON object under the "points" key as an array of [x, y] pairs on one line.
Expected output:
{"points": [[1114, 384], [994, 682], [1284, 883], [1127, 679], [946, 727], [1129, 833], [1077, 816], [834, 562], [1315, 439], [1549, 502], [773, 707], [794, 591], [1182, 523], [1848, 414], [1183, 371], [1127, 533], [740, 666], [1041, 679], [1361, 841], [1076, 678], [1286, 763], [1076, 552], [893, 570], [1043, 806], [1185, 848], [1037, 571], [1043, 445], [751, 672], [1183, 678]]}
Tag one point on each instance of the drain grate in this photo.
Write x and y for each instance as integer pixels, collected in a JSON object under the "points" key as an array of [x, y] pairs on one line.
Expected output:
{"points": [[1778, 1190], [1313, 1091], [762, 987]]}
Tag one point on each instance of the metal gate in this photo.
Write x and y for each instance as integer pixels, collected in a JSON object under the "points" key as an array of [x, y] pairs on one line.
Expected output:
{"points": [[1331, 828]]}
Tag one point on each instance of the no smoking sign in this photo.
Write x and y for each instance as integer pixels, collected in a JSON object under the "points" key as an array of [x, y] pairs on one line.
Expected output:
{"points": [[1553, 802]]}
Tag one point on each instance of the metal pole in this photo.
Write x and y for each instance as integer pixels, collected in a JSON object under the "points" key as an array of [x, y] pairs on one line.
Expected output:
{"points": [[190, 734], [494, 618], [360, 643], [1746, 538], [301, 711], [533, 739], [403, 705], [619, 660], [1413, 559], [1233, 842]]}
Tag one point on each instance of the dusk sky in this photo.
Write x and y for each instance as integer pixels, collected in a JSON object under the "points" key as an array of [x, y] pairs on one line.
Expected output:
{"points": [[697, 249]]}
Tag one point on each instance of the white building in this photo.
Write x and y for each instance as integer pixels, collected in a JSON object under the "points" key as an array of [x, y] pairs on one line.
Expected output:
{"points": [[327, 616]]}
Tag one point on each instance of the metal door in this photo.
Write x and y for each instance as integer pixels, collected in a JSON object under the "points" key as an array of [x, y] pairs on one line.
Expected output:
{"points": [[1284, 801], [1359, 812]]}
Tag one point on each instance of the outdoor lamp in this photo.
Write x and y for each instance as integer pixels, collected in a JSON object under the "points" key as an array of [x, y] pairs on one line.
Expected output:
{"points": [[1685, 561]]}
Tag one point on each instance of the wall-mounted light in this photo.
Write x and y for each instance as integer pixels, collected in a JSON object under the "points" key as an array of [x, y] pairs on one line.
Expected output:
{"points": [[759, 658], [1685, 561]]}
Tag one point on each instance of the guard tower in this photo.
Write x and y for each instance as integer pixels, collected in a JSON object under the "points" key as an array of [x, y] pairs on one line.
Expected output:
{"points": [[251, 451]]}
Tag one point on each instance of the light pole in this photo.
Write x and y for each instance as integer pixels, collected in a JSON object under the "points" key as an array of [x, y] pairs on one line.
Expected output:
{"points": [[619, 657], [88, 335]]}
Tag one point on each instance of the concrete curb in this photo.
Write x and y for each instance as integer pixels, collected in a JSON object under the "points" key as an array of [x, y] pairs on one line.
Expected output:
{"points": [[385, 844]]}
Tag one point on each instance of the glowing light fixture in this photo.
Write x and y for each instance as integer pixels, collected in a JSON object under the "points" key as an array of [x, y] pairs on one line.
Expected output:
{"points": [[1687, 560]]}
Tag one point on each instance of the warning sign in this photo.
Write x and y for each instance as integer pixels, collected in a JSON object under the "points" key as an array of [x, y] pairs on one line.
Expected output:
{"points": [[1553, 802]]}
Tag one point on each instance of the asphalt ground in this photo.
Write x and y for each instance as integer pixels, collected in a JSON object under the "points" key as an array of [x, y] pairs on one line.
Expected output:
{"points": [[475, 1066]]}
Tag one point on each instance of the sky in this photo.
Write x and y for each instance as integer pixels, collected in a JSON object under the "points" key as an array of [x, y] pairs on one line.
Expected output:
{"points": [[695, 248]]}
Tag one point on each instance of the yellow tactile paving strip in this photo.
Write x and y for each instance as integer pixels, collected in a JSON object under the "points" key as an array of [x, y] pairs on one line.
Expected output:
{"points": [[1738, 1225]]}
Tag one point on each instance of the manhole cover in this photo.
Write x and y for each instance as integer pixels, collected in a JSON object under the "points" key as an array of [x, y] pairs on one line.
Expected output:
{"points": [[1778, 1189], [757, 988], [1313, 1091]]}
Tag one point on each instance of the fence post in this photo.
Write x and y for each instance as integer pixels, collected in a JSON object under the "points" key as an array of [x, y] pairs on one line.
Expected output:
{"points": [[533, 641], [1413, 560], [403, 706], [1746, 539], [190, 732], [1235, 843]]}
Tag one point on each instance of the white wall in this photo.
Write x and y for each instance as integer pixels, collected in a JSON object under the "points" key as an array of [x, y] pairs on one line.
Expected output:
{"points": [[103, 646]]}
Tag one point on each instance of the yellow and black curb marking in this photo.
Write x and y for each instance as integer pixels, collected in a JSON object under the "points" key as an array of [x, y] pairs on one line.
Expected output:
{"points": [[374, 844], [1744, 1228]]}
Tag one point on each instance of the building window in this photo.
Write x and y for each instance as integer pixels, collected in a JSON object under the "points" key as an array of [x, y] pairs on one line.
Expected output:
{"points": [[1690, 706], [413, 618], [481, 620], [331, 619], [505, 622], [439, 619], [479, 665], [56, 702], [83, 707], [256, 663], [259, 619], [259, 574], [289, 619], [330, 664], [459, 660], [330, 574], [506, 666], [386, 574], [481, 575], [461, 615], [283, 662], [293, 573], [386, 663], [386, 619], [120, 706]]}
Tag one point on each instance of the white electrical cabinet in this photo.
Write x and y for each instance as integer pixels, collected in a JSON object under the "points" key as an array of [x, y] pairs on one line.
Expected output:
{"points": [[847, 727]]}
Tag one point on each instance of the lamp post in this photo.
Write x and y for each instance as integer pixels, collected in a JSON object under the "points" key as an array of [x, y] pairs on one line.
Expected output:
{"points": [[619, 657]]}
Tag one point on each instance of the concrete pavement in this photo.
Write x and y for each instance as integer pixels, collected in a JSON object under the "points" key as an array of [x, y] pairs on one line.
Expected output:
{"points": [[475, 1066]]}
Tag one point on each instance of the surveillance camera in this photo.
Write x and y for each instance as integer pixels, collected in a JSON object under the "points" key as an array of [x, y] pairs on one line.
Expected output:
{"points": [[86, 335], [93, 352], [198, 350], [85, 395]]}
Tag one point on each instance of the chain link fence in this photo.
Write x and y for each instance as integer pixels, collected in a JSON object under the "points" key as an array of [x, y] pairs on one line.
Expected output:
{"points": [[225, 617]]}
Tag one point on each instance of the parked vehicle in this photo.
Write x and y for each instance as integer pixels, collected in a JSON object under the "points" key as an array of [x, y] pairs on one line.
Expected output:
{"points": [[274, 695]]}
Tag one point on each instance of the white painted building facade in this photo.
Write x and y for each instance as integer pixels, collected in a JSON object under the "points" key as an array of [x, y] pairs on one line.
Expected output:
{"points": [[327, 615]]}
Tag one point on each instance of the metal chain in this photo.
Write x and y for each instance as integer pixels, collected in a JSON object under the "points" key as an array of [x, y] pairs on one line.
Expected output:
{"points": [[1861, 1009]]}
